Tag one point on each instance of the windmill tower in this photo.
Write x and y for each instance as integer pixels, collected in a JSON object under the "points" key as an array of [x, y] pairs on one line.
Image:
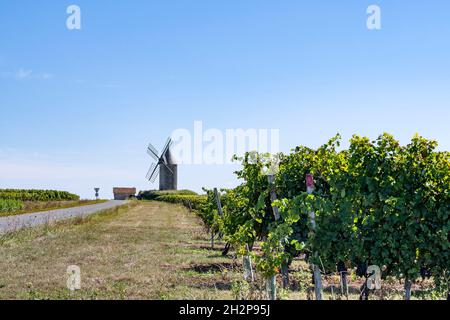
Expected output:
{"points": [[165, 167]]}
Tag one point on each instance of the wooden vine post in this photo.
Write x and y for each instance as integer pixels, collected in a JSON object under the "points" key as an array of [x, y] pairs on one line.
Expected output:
{"points": [[408, 286], [248, 268], [219, 211], [312, 219], [219, 204], [273, 197], [342, 269], [271, 283]]}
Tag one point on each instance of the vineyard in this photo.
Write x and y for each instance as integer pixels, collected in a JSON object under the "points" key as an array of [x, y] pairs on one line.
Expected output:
{"points": [[379, 208], [10, 205], [15, 200], [36, 195]]}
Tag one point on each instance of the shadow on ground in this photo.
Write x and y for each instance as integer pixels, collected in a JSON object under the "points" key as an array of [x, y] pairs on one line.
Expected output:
{"points": [[211, 268]]}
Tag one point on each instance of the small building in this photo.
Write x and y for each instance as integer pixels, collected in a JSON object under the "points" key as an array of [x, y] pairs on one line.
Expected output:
{"points": [[124, 193]]}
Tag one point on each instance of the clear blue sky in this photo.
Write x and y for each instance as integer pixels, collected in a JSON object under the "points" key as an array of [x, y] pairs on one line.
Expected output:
{"points": [[77, 108]]}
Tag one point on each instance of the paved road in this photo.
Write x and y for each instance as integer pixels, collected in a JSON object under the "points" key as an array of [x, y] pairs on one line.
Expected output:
{"points": [[13, 223]]}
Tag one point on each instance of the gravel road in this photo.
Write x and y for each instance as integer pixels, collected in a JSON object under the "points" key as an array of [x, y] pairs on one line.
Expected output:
{"points": [[13, 223]]}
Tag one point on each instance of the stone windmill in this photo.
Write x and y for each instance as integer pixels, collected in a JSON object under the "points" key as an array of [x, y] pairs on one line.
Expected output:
{"points": [[165, 167]]}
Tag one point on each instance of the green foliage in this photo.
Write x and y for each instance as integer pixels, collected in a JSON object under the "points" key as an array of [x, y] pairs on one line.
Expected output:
{"points": [[153, 194], [37, 195], [244, 216], [7, 206], [194, 202], [209, 212], [376, 203], [381, 203]]}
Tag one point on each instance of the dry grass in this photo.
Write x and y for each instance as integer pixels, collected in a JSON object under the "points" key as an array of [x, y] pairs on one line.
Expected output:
{"points": [[147, 250], [151, 251]]}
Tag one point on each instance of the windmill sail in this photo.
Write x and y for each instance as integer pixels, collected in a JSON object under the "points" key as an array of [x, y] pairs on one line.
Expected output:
{"points": [[152, 171], [165, 155], [151, 150]]}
